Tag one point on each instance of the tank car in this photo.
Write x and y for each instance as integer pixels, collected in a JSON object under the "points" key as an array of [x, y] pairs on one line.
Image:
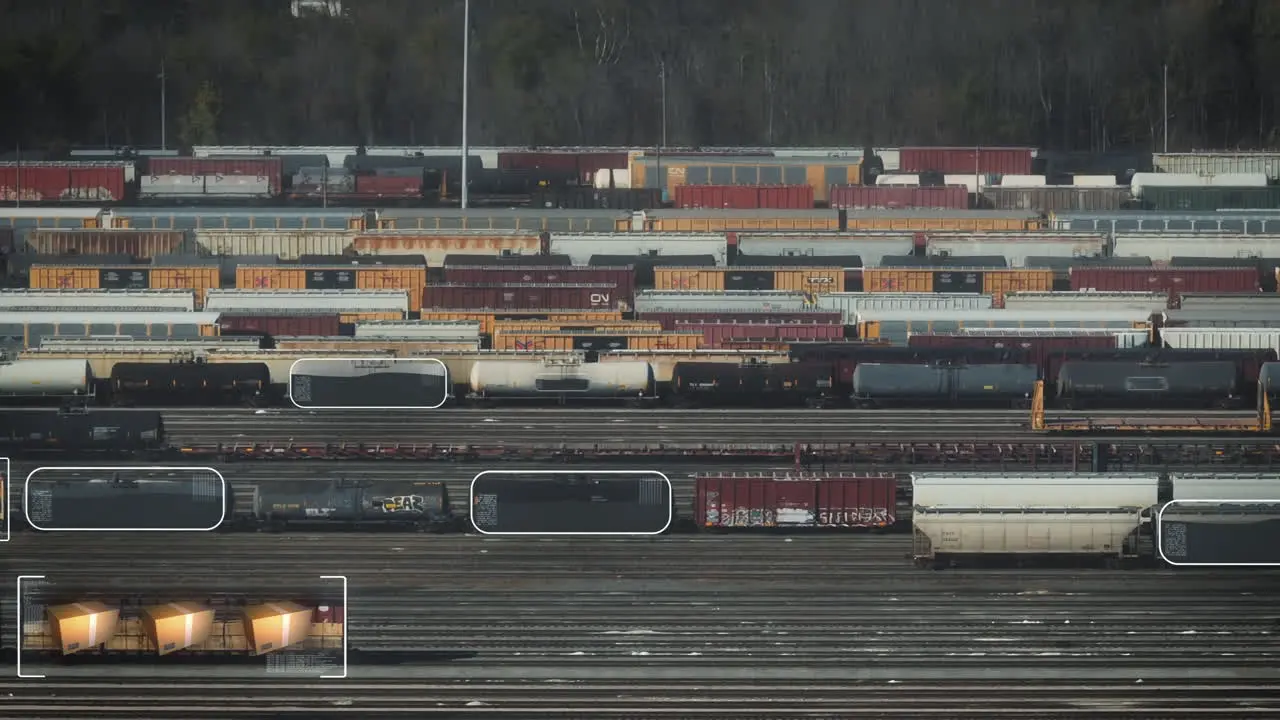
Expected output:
{"points": [[202, 384], [756, 385], [108, 432], [353, 504], [939, 385], [561, 381], [31, 382], [368, 383], [1185, 385]]}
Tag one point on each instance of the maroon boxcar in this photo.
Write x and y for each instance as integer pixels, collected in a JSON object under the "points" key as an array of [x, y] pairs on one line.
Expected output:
{"points": [[795, 500], [716, 334], [962, 160], [531, 296], [669, 320], [389, 186], [67, 182], [283, 325], [874, 197], [621, 276], [745, 197], [1173, 280], [271, 168], [334, 614], [584, 164]]}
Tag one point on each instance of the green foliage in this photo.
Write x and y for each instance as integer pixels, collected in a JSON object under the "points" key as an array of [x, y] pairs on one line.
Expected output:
{"points": [[199, 125], [1084, 74]]}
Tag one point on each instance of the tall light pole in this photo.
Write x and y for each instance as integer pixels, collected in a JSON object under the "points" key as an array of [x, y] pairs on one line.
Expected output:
{"points": [[662, 74], [163, 102], [466, 57], [1166, 108]]}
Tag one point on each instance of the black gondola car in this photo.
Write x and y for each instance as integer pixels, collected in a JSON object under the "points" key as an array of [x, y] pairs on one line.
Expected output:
{"points": [[206, 384], [937, 386], [755, 385], [109, 432], [1184, 385]]}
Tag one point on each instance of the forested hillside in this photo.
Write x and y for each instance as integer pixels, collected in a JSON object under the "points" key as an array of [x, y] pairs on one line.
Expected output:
{"points": [[1069, 74]]}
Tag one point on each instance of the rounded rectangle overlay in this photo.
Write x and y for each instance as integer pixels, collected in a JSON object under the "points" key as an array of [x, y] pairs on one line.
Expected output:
{"points": [[6, 482], [110, 518], [1232, 547], [358, 394], [621, 474]]}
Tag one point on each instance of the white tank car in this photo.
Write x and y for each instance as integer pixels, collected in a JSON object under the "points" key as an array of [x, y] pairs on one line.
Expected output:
{"points": [[27, 378], [533, 379]]}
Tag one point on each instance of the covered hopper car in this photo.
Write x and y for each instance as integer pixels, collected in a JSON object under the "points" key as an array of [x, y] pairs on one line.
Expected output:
{"points": [[202, 384]]}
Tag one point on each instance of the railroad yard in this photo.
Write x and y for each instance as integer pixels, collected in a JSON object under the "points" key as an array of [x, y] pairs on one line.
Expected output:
{"points": [[948, 433]]}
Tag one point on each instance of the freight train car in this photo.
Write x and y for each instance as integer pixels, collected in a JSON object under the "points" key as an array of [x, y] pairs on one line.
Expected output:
{"points": [[31, 382], [791, 501], [753, 385], [141, 504], [123, 433], [199, 384], [371, 383], [944, 386], [1211, 384], [281, 504], [974, 517], [561, 381]]}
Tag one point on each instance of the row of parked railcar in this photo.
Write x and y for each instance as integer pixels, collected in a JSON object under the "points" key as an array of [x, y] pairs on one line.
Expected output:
{"points": [[955, 517], [878, 377]]}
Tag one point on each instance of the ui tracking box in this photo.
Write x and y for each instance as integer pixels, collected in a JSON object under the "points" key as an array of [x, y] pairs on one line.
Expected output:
{"points": [[79, 626], [275, 625], [176, 626]]}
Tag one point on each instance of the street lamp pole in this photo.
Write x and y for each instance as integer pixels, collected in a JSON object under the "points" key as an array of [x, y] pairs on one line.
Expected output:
{"points": [[466, 57]]}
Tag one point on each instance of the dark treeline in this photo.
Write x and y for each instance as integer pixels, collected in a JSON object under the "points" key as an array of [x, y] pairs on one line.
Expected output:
{"points": [[1067, 74]]}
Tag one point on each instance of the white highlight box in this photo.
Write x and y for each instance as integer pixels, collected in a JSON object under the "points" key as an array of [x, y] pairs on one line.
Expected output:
{"points": [[4, 498], [26, 488], [670, 501], [443, 399], [1160, 531], [346, 610], [21, 629], [346, 614]]}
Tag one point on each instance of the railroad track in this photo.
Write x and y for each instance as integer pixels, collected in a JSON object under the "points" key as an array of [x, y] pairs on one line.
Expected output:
{"points": [[578, 427], [743, 627], [638, 699]]}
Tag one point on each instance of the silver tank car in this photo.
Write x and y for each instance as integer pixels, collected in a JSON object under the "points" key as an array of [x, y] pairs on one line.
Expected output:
{"points": [[534, 379], [45, 378], [1180, 384], [906, 384]]}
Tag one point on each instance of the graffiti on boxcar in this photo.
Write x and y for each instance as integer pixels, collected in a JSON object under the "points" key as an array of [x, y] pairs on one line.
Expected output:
{"points": [[856, 516], [400, 504]]}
